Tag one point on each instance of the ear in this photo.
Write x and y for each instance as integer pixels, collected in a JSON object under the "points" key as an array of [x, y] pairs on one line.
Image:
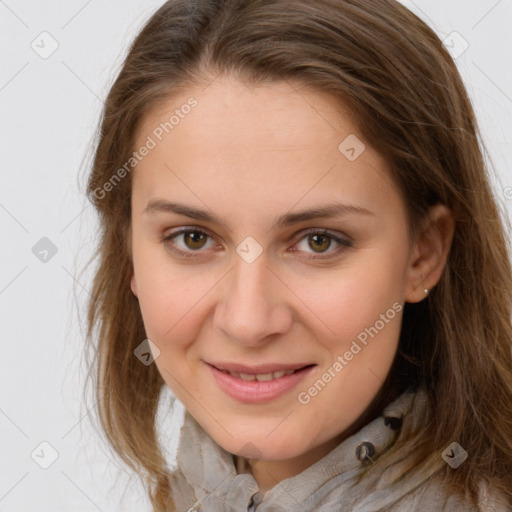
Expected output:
{"points": [[430, 252]]}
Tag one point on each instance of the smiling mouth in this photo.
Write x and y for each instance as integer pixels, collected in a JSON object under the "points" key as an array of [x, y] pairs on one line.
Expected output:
{"points": [[258, 384], [263, 376]]}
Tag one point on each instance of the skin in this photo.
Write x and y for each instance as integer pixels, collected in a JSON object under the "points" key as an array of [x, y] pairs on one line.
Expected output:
{"points": [[250, 154]]}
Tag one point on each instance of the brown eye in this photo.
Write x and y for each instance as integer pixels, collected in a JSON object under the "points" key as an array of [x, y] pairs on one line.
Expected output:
{"points": [[194, 239], [319, 243], [187, 242]]}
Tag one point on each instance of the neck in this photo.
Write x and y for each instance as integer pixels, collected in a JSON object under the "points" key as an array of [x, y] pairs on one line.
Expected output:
{"points": [[268, 473]]}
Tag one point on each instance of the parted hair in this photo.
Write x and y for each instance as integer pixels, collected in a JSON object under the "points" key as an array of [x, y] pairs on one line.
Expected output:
{"points": [[408, 99]]}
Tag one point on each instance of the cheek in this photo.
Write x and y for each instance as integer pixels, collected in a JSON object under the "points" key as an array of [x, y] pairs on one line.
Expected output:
{"points": [[171, 301], [347, 301]]}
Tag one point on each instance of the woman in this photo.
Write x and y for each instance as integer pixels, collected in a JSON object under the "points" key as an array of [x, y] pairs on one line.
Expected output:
{"points": [[299, 239]]}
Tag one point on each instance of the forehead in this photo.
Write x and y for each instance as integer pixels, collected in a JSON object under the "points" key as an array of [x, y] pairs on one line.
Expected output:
{"points": [[278, 140], [281, 114]]}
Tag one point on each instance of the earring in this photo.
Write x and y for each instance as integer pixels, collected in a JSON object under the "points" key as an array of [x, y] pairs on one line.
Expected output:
{"points": [[426, 292]]}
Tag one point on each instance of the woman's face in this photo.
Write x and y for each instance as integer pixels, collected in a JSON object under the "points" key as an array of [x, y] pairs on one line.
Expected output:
{"points": [[255, 282]]}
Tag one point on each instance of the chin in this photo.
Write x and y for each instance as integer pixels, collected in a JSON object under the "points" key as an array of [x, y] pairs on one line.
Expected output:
{"points": [[259, 446]]}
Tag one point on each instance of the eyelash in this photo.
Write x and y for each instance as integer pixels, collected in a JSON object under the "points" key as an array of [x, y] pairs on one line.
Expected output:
{"points": [[345, 244]]}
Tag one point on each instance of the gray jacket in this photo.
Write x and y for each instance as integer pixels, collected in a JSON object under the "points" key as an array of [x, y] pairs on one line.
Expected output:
{"points": [[205, 477]]}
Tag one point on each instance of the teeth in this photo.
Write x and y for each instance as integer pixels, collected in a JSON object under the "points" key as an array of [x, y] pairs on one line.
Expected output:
{"points": [[245, 376], [262, 377]]}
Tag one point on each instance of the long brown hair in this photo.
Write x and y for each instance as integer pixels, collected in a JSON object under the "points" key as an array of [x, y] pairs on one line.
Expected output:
{"points": [[410, 103]]}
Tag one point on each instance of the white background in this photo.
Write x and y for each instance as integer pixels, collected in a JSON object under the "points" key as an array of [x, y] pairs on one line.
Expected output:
{"points": [[49, 112]]}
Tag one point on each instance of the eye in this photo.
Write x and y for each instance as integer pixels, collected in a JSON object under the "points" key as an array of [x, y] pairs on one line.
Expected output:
{"points": [[192, 239], [319, 241]]}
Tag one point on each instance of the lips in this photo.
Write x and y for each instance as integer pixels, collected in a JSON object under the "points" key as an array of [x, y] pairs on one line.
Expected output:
{"points": [[257, 387]]}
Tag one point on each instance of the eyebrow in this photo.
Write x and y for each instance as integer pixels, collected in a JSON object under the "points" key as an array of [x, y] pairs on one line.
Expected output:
{"points": [[323, 212]]}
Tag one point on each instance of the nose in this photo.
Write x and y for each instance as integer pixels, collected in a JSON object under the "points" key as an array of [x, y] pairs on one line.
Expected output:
{"points": [[253, 306]]}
